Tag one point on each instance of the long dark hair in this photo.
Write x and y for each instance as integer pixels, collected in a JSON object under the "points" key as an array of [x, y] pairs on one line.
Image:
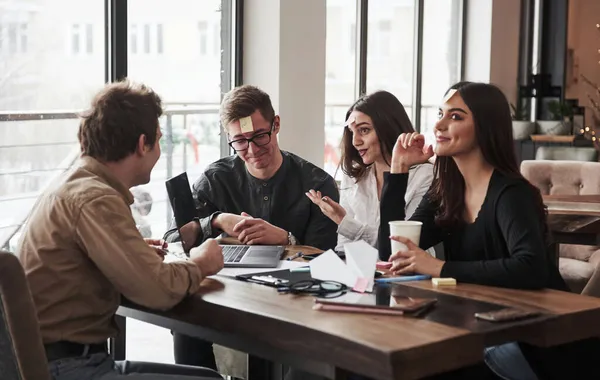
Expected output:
{"points": [[493, 132], [389, 121]]}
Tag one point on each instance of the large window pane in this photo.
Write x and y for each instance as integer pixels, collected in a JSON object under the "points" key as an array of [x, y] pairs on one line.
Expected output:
{"points": [[390, 48], [441, 56], [51, 59], [176, 49], [340, 77]]}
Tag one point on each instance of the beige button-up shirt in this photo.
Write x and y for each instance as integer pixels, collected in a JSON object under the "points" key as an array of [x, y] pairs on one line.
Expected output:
{"points": [[81, 250]]}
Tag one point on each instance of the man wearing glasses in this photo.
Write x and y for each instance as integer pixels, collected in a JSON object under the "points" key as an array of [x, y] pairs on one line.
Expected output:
{"points": [[257, 195]]}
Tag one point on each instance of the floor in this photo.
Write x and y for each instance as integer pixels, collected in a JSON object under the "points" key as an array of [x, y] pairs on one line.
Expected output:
{"points": [[148, 343]]}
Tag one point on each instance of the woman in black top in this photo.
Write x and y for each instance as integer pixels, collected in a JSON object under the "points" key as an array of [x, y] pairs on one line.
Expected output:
{"points": [[491, 220]]}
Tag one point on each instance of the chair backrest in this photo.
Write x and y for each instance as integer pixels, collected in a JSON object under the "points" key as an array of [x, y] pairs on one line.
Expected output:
{"points": [[566, 153], [22, 355], [563, 177]]}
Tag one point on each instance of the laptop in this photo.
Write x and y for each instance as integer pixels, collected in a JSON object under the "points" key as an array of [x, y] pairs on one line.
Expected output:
{"points": [[243, 256]]}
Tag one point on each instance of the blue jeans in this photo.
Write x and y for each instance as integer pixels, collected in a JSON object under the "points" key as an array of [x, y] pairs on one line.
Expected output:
{"points": [[102, 367], [508, 362]]}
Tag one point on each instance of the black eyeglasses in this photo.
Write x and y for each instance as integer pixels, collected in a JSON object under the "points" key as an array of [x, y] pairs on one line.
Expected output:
{"points": [[317, 288], [260, 139]]}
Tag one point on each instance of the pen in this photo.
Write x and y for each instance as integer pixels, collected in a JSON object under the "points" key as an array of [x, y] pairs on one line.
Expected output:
{"points": [[301, 269], [298, 254], [403, 278]]}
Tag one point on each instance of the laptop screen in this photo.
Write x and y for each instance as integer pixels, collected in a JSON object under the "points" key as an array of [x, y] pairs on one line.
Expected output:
{"points": [[181, 199]]}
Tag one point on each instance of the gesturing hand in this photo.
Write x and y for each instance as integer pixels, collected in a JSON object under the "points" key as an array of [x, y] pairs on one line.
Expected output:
{"points": [[409, 150], [257, 231], [208, 257], [414, 260], [328, 206]]}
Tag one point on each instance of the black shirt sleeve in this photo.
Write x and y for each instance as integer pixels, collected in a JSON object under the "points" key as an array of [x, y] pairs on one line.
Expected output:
{"points": [[392, 207], [321, 232], [526, 265]]}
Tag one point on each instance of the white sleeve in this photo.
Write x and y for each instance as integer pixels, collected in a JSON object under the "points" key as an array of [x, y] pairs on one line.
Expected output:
{"points": [[350, 229]]}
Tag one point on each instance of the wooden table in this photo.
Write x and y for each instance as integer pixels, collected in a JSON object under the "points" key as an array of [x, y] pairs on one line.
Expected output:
{"points": [[574, 219], [285, 329]]}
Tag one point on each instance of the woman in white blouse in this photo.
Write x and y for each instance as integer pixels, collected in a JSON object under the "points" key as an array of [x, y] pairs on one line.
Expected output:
{"points": [[372, 126]]}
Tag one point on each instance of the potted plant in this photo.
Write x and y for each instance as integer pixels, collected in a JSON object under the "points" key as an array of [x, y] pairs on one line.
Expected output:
{"points": [[522, 127], [560, 119]]}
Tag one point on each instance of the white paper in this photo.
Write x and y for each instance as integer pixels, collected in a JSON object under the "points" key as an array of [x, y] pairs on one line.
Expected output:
{"points": [[283, 264], [329, 267], [361, 258]]}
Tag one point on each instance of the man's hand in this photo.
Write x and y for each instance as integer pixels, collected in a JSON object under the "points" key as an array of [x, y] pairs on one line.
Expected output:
{"points": [[208, 257], [158, 245], [414, 260], [226, 223], [188, 234], [328, 206], [409, 150], [256, 231]]}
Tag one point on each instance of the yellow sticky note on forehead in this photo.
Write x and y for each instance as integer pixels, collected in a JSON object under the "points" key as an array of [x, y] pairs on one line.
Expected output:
{"points": [[246, 124], [449, 95]]}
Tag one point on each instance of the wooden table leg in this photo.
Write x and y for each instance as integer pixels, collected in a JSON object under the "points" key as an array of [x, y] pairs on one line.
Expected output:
{"points": [[262, 369], [117, 344]]}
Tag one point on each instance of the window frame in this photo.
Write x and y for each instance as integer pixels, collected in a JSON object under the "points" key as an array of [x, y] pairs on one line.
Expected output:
{"points": [[362, 41]]}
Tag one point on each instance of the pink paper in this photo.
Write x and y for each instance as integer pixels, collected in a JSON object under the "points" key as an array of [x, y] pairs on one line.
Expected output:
{"points": [[361, 284], [383, 265]]}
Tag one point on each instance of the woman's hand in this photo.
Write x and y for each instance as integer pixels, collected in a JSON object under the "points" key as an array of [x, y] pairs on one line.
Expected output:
{"points": [[409, 150], [328, 206], [414, 260]]}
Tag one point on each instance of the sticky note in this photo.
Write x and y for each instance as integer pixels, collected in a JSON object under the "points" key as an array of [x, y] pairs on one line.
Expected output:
{"points": [[443, 281], [350, 121], [383, 265], [246, 124], [361, 284], [449, 95]]}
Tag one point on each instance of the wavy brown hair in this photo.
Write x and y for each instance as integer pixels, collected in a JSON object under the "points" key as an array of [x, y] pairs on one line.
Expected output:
{"points": [[389, 120], [493, 132], [119, 114]]}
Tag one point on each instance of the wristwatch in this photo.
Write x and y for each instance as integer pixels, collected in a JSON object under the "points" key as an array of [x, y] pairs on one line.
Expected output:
{"points": [[292, 239]]}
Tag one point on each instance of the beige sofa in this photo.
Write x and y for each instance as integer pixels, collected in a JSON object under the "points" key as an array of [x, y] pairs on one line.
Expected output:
{"points": [[577, 263]]}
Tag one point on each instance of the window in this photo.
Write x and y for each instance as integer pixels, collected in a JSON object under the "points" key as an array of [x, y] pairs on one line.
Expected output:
{"points": [[133, 39], [352, 45], [340, 79], [217, 39], [391, 69], [12, 38], [82, 39], [390, 57], [36, 65], [203, 35], [75, 39], [191, 91], [89, 38], [23, 38], [147, 39], [159, 39], [441, 56]]}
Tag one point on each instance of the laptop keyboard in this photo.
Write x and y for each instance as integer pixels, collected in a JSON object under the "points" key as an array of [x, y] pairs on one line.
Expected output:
{"points": [[234, 254]]}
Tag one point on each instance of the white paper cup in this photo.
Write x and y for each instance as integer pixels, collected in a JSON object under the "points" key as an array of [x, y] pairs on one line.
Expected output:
{"points": [[407, 229]]}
